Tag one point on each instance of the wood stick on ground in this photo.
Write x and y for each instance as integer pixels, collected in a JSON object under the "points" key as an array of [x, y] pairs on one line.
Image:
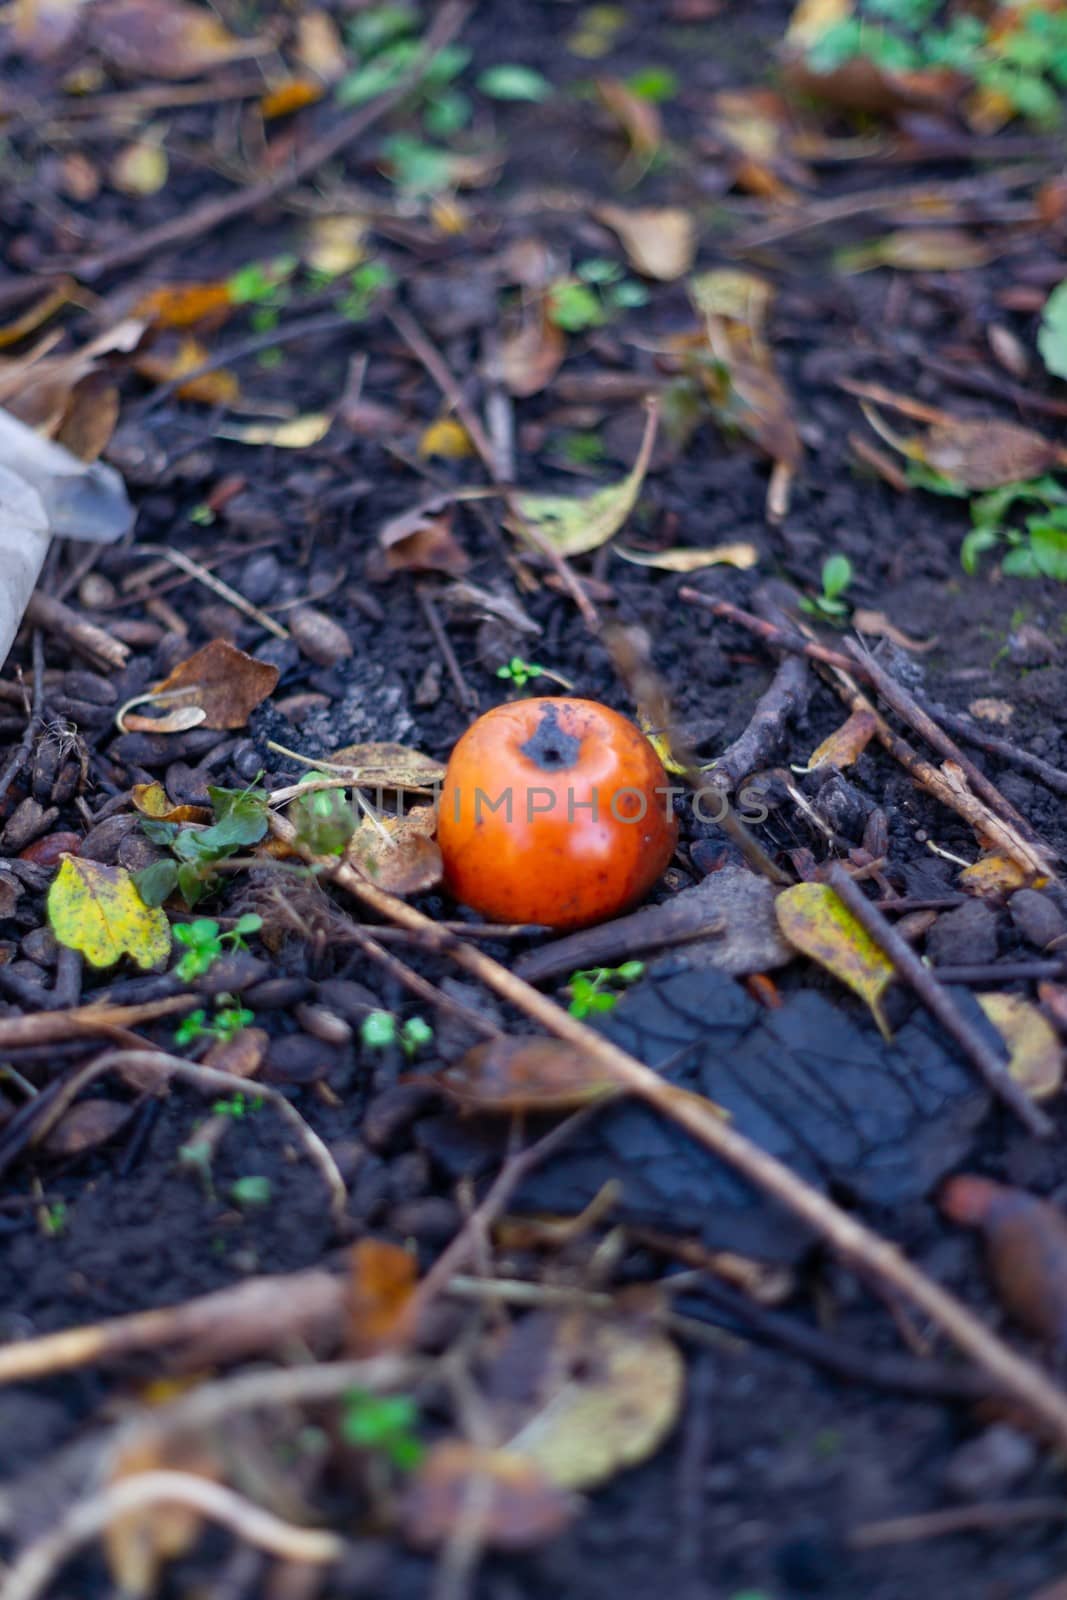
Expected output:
{"points": [[1052, 777], [870, 1255], [904, 703], [56, 617], [211, 214], [54, 1027], [233, 597], [247, 1319], [423, 348], [957, 1519], [940, 1004], [33, 1570], [944, 786], [779, 705], [158, 1066]]}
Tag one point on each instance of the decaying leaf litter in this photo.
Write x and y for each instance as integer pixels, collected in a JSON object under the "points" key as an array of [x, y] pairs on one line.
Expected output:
{"points": [[783, 329]]}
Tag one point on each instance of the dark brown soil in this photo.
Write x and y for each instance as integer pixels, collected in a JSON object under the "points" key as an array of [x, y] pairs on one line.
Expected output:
{"points": [[774, 1461]]}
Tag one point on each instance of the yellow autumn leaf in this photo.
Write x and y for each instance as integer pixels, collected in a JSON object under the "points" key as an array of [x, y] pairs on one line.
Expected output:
{"points": [[683, 559], [96, 909], [821, 926], [992, 875], [574, 525], [846, 744], [447, 439], [295, 433], [1036, 1056]]}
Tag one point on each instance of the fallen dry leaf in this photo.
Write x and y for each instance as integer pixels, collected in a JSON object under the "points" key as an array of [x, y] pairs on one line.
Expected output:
{"points": [[522, 1074], [293, 433], [38, 313], [602, 1395], [919, 250], [152, 800], [179, 720], [337, 242], [574, 525], [90, 418], [684, 559], [532, 354], [386, 766], [141, 168], [1036, 1057], [847, 743], [517, 1505], [975, 455], [447, 439], [993, 875], [378, 1296], [878, 625], [164, 38], [223, 681], [756, 125], [740, 381], [821, 926], [183, 305], [399, 854], [170, 358], [990, 709], [420, 540], [139, 1544], [638, 118], [661, 241]]}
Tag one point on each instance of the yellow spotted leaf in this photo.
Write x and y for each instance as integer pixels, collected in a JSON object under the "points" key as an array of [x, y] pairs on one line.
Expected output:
{"points": [[574, 525], [96, 909], [819, 925], [993, 875], [1033, 1043], [609, 1394]]}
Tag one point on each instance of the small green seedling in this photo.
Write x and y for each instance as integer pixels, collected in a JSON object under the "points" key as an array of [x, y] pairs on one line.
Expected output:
{"points": [[202, 515], [240, 821], [1038, 552], [324, 819], [520, 672], [383, 1424], [204, 942], [380, 1030], [225, 1025], [597, 989], [597, 291], [54, 1219], [836, 577], [238, 1106], [251, 1192]]}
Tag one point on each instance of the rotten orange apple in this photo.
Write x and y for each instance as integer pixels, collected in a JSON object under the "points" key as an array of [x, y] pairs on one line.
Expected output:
{"points": [[555, 811]]}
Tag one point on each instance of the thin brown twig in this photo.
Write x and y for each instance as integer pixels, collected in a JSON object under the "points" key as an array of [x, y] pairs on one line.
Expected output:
{"points": [[423, 348], [35, 1567], [869, 1254], [517, 1166], [948, 786], [936, 999], [904, 703], [465, 695], [419, 985], [957, 1519], [205, 218]]}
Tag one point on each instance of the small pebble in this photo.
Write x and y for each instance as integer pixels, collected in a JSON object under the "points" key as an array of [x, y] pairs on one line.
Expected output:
{"points": [[987, 1466], [965, 936], [390, 1114], [1037, 917]]}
